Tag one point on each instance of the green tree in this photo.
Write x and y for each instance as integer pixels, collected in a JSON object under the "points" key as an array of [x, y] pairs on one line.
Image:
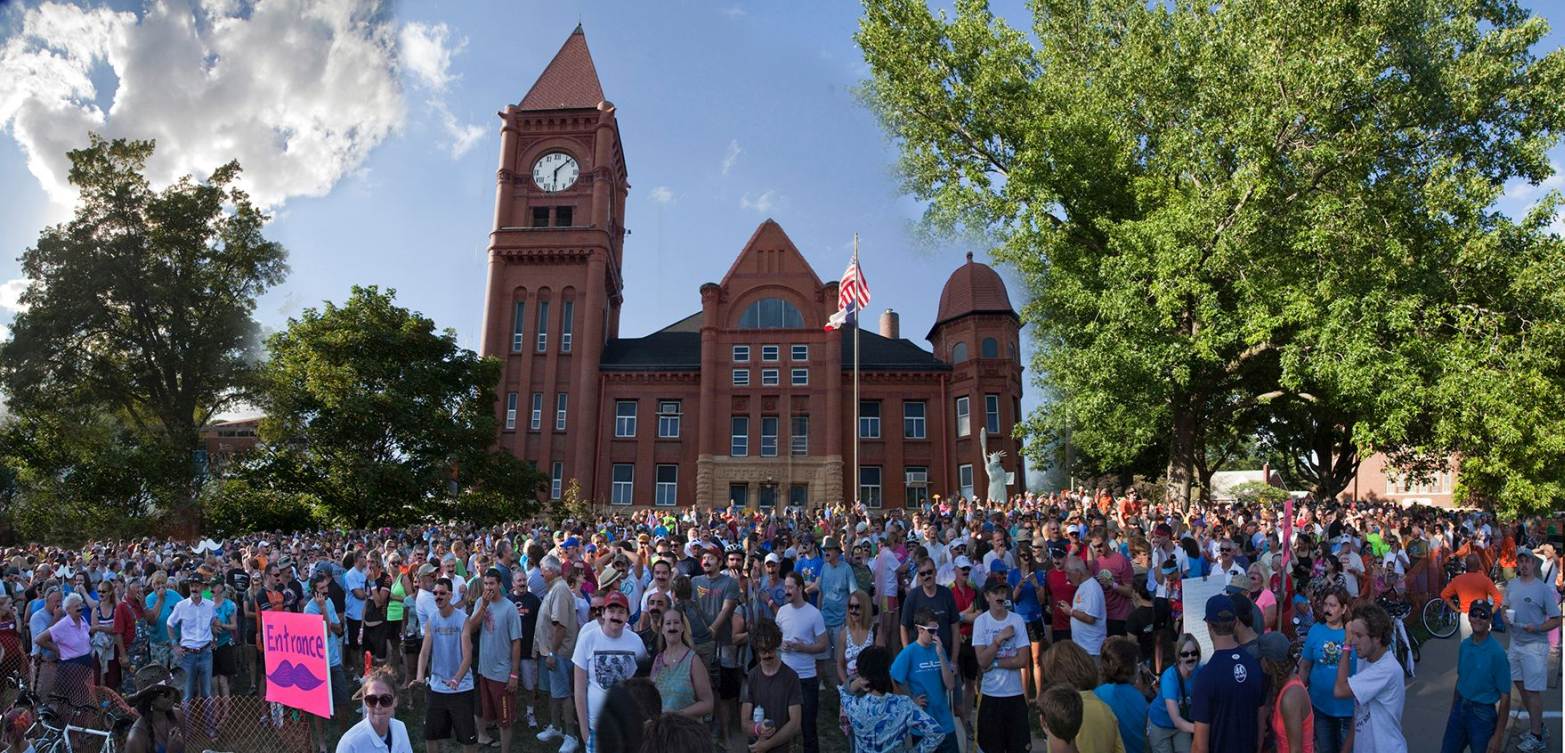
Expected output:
{"points": [[139, 308], [1222, 210], [383, 420]]}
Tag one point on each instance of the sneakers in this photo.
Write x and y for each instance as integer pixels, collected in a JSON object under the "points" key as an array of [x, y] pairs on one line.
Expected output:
{"points": [[532, 721], [1531, 743], [550, 732], [572, 745]]}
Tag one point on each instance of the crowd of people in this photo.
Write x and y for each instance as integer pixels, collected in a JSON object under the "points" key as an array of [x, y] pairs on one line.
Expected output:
{"points": [[936, 629]]}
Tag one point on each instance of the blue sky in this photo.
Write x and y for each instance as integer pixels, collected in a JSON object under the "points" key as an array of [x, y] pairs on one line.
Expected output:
{"points": [[730, 113]]}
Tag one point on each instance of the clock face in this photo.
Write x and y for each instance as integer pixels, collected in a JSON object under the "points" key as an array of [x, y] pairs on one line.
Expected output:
{"points": [[555, 171]]}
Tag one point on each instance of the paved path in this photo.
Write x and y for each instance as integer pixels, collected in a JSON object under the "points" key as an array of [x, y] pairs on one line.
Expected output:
{"points": [[1429, 700]]}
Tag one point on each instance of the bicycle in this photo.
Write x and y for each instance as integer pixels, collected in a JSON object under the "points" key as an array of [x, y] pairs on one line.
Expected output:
{"points": [[1440, 620], [1403, 647], [57, 732]]}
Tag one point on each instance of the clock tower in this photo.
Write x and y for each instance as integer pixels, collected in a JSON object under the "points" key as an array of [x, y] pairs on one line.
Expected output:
{"points": [[555, 288]]}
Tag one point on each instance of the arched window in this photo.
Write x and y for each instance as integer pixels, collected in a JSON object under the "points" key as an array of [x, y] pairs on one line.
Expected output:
{"points": [[989, 348], [959, 352], [771, 313]]}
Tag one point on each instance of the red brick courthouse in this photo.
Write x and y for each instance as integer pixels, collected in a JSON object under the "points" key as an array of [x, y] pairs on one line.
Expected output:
{"points": [[749, 399]]}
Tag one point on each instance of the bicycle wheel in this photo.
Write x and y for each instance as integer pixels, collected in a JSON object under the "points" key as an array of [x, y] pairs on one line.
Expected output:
{"points": [[1440, 619]]}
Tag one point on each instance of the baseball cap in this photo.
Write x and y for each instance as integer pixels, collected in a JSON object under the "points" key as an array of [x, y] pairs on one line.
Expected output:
{"points": [[1163, 529], [1273, 646], [773, 559], [426, 569], [963, 563], [830, 542], [616, 599], [1220, 608], [1480, 610], [999, 568], [1058, 549], [571, 541]]}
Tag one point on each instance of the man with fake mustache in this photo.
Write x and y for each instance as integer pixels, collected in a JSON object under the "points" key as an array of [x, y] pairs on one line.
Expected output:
{"points": [[604, 658]]}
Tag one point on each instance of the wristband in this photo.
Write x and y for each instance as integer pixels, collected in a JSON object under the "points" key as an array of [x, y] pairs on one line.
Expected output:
{"points": [[513, 675]]}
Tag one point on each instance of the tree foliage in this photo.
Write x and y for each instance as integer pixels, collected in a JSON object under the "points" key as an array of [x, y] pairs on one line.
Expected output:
{"points": [[1223, 212], [383, 420], [137, 317]]}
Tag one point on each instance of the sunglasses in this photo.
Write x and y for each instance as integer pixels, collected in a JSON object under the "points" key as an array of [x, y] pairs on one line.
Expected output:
{"points": [[925, 573], [853, 607], [384, 701], [1189, 654]]}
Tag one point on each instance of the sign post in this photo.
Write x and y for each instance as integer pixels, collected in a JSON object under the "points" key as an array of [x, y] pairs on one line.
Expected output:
{"points": [[295, 651]]}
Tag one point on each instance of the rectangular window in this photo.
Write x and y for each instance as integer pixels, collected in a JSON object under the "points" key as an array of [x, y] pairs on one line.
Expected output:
{"points": [[964, 480], [964, 419], [556, 479], [543, 326], [869, 419], [540, 216], [799, 434], [624, 484], [668, 419], [917, 488], [624, 418], [992, 414], [739, 494], [510, 410], [535, 419], [741, 377], [667, 493], [562, 216], [741, 354], [559, 412], [869, 486], [913, 420], [798, 495], [518, 333], [801, 352], [769, 436], [768, 495], [770, 378], [800, 377], [739, 436], [566, 314], [771, 352]]}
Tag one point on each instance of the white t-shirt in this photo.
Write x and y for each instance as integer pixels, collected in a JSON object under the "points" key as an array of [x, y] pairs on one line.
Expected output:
{"points": [[607, 662], [1089, 600], [1353, 567], [999, 682], [1377, 715], [802, 625], [1233, 571], [884, 566], [362, 738], [1396, 562]]}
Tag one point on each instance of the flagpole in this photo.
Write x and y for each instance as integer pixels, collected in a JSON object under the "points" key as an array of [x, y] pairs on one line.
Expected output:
{"points": [[857, 480]]}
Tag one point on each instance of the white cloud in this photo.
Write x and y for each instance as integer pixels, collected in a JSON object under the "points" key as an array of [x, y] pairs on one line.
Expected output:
{"points": [[5, 333], [732, 11], [763, 203], [662, 195], [732, 156], [426, 53], [11, 295], [1527, 193], [462, 136]]}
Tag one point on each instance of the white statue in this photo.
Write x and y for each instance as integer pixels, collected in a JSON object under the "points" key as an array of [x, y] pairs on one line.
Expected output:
{"points": [[993, 468]]}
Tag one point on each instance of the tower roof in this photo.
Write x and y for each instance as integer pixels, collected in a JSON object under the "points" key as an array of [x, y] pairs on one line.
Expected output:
{"points": [[974, 288], [570, 80]]}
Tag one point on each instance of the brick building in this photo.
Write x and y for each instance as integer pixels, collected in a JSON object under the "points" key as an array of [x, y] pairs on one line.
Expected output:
{"points": [[749, 399]]}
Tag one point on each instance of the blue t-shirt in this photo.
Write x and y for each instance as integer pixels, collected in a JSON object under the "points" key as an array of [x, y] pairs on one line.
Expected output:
{"points": [[354, 606], [810, 568], [1228, 693], [1130, 709], [918, 669], [333, 642], [159, 634], [1483, 671], [222, 613], [1027, 604], [836, 586], [1323, 647], [1168, 690], [1198, 568]]}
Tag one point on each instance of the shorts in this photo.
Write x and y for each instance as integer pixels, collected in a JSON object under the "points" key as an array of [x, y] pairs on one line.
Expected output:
{"points": [[529, 673], [830, 654], [375, 639], [557, 680], [1003, 724], [225, 661], [351, 640], [1116, 627], [708, 653], [495, 703], [729, 680], [1061, 634], [1035, 631], [967, 663], [1530, 665], [450, 716]]}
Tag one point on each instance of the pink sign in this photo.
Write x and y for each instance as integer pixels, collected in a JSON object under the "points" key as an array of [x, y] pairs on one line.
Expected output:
{"points": [[297, 676]]}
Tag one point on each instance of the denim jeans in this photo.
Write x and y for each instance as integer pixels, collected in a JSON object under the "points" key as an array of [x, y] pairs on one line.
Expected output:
{"points": [[1469, 727], [198, 672], [1331, 732], [812, 702]]}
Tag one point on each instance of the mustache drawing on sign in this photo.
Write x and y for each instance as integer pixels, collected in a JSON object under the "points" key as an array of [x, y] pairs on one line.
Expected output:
{"points": [[289, 675]]}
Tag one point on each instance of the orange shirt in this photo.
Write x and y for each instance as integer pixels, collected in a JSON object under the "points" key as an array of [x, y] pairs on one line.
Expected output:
{"points": [[1508, 552], [1471, 587]]}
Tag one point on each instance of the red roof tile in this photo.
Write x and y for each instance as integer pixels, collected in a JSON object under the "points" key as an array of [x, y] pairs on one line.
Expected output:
{"points": [[569, 81], [973, 288]]}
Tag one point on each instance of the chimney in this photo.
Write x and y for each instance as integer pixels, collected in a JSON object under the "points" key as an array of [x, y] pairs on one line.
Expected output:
{"points": [[890, 325]]}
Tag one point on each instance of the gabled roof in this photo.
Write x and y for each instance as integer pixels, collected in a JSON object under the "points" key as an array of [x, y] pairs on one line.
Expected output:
{"points": [[690, 323], [770, 252], [885, 354], [570, 80]]}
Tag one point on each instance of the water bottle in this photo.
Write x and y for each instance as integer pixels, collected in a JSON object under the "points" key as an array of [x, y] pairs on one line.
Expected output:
{"points": [[758, 717]]}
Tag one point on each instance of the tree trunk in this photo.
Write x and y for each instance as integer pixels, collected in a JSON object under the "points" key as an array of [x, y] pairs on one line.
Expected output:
{"points": [[1181, 455]]}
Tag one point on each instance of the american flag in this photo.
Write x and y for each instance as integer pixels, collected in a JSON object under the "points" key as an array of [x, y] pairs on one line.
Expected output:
{"points": [[852, 295]]}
